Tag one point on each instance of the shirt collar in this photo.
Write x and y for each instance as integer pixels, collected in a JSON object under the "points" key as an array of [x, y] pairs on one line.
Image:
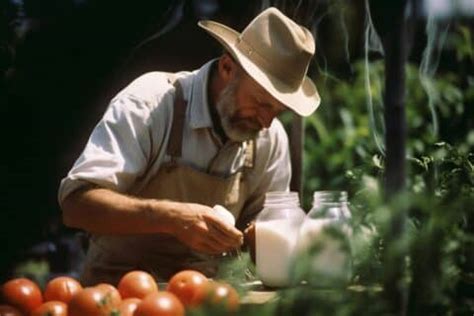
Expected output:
{"points": [[198, 98]]}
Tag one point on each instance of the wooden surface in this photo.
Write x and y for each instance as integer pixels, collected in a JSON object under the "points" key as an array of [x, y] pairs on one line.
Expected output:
{"points": [[257, 293]]}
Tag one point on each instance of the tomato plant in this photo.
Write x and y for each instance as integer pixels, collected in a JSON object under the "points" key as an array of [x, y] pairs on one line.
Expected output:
{"points": [[187, 284], [61, 289], [23, 294], [51, 308], [160, 304], [137, 284]]}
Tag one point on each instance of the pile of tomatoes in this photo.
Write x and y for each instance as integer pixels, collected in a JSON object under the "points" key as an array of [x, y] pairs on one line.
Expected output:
{"points": [[137, 294]]}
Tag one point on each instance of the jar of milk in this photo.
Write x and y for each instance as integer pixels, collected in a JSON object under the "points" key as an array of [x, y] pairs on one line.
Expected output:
{"points": [[323, 246], [276, 233]]}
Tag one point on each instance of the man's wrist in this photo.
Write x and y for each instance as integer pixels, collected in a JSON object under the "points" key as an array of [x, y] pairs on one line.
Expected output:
{"points": [[161, 215]]}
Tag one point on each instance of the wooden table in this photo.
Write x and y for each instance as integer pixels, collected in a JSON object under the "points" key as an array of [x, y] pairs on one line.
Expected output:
{"points": [[257, 293]]}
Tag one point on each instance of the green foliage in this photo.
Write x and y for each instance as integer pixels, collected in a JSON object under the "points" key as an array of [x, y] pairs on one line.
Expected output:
{"points": [[424, 236], [426, 233], [36, 270], [463, 42], [341, 140]]}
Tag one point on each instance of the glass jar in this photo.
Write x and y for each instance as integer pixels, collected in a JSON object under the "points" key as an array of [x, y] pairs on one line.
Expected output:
{"points": [[323, 243], [276, 233]]}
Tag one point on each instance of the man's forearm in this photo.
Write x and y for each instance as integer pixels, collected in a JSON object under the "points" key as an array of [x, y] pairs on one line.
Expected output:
{"points": [[104, 211]]}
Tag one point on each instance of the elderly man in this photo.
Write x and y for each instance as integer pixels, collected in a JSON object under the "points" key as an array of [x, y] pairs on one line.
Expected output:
{"points": [[171, 146]]}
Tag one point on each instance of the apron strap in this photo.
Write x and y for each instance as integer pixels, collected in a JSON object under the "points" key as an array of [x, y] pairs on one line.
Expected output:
{"points": [[176, 137], [179, 114]]}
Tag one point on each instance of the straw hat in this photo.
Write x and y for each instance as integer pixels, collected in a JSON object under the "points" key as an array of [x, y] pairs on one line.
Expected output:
{"points": [[275, 51]]}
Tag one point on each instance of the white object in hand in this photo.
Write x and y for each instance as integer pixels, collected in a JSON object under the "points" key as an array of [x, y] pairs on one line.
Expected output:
{"points": [[224, 214]]}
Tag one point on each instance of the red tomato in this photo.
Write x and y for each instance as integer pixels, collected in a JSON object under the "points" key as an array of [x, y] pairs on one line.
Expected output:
{"points": [[160, 304], [7, 310], [22, 293], [61, 289], [137, 284], [111, 294], [91, 302], [128, 306], [51, 308], [187, 284], [218, 293]]}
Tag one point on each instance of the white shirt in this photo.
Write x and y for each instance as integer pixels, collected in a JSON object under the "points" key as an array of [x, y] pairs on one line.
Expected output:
{"points": [[128, 145]]}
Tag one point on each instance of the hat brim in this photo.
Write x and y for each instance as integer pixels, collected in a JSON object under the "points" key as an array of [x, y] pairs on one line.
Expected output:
{"points": [[304, 100]]}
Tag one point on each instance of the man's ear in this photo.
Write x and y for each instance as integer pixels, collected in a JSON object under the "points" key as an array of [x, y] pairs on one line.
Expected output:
{"points": [[227, 68]]}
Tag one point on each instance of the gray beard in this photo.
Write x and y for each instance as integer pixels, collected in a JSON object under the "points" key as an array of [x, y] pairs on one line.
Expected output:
{"points": [[236, 129]]}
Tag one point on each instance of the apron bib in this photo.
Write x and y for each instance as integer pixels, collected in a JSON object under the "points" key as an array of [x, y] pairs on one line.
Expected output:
{"points": [[109, 257]]}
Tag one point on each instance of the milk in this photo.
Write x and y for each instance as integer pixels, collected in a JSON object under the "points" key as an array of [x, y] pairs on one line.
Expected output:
{"points": [[311, 231], [275, 242], [330, 261]]}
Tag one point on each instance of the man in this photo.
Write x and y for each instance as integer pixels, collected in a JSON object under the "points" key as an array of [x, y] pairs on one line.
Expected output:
{"points": [[171, 146]]}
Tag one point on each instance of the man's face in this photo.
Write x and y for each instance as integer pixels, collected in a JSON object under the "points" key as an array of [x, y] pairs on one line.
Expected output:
{"points": [[245, 108]]}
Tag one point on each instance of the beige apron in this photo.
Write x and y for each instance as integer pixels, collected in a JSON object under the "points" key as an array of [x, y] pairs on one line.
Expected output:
{"points": [[111, 256]]}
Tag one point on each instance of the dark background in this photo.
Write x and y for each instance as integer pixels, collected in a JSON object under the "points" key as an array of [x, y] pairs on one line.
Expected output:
{"points": [[60, 63]]}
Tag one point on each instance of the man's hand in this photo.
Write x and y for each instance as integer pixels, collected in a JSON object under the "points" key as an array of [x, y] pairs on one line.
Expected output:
{"points": [[103, 211], [249, 238], [196, 226]]}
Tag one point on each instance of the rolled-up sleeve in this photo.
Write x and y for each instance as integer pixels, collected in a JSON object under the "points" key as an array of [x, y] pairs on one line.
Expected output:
{"points": [[117, 151]]}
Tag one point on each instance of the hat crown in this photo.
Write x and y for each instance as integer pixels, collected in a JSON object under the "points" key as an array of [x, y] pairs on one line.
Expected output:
{"points": [[275, 52], [279, 45]]}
